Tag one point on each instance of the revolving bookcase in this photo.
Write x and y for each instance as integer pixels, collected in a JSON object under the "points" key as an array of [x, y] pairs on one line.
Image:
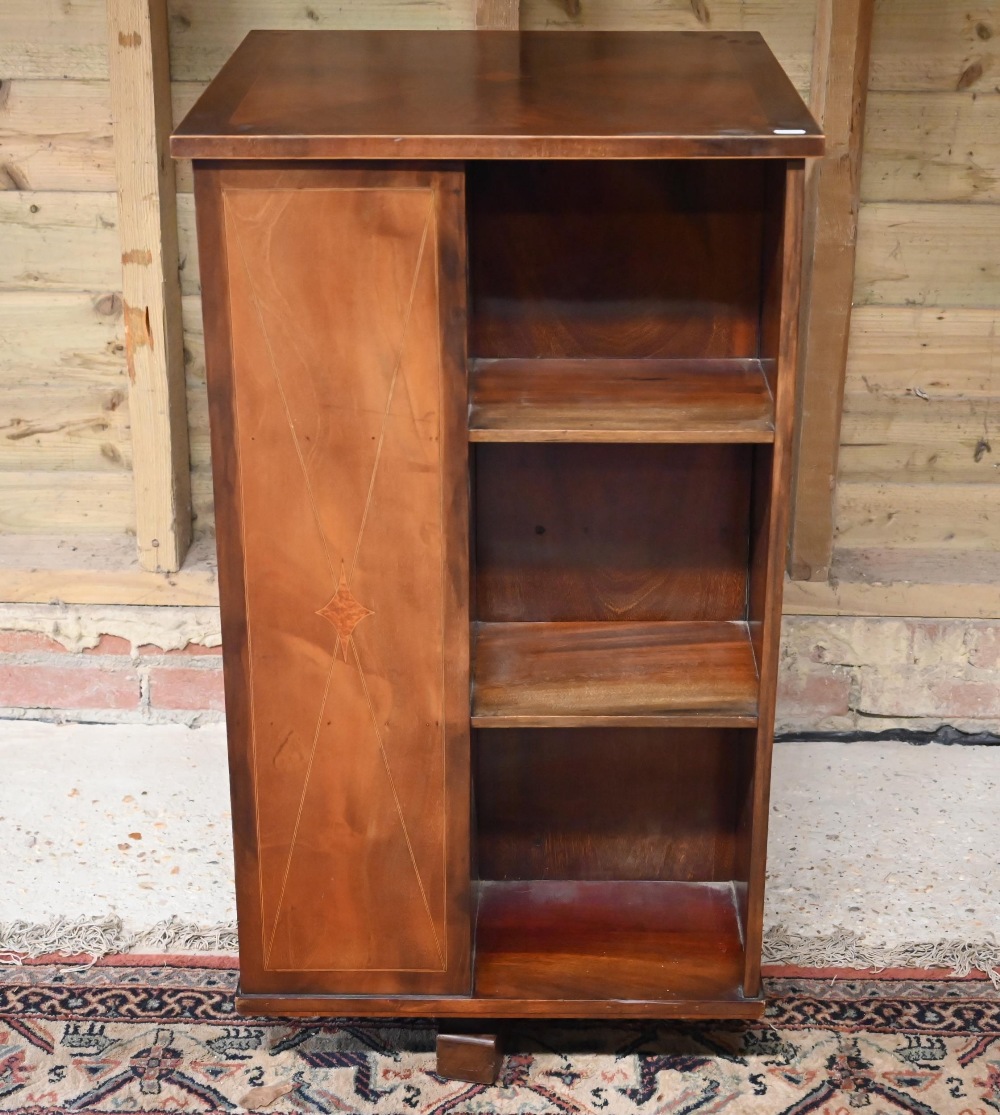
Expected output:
{"points": [[500, 335]]}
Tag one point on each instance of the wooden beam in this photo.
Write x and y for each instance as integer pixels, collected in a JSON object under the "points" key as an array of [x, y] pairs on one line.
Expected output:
{"points": [[839, 90], [139, 67], [196, 584], [99, 569], [901, 598], [497, 15]]}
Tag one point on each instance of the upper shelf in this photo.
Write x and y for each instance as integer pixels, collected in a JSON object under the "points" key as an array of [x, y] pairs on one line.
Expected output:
{"points": [[499, 95], [620, 401]]}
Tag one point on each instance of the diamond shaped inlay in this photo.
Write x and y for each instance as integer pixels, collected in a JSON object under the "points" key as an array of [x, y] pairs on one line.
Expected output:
{"points": [[344, 612]]}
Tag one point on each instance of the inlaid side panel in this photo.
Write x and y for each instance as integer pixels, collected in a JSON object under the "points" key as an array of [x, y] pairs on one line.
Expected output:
{"points": [[345, 396]]}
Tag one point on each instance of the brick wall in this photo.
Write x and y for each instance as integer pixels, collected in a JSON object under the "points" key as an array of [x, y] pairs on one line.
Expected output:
{"points": [[845, 674], [111, 682], [163, 665]]}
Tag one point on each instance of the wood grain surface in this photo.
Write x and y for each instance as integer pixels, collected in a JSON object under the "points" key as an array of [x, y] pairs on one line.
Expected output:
{"points": [[338, 451], [611, 532], [769, 532], [606, 803], [139, 67], [615, 535], [724, 1003], [502, 94], [475, 1058], [625, 940], [614, 259], [644, 401], [614, 674]]}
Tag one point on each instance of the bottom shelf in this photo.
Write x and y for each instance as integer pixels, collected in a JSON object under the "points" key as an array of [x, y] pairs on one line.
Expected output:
{"points": [[648, 940], [558, 949]]}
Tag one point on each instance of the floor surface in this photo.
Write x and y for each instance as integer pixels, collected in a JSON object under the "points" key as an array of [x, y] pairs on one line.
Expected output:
{"points": [[895, 842]]}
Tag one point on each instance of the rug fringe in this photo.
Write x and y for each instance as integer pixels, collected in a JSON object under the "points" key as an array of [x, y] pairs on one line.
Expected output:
{"points": [[846, 949], [97, 937]]}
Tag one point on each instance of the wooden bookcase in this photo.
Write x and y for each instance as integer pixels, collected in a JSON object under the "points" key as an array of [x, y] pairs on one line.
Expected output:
{"points": [[500, 336]]}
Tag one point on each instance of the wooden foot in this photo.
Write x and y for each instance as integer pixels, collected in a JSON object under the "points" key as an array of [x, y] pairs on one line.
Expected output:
{"points": [[473, 1057]]}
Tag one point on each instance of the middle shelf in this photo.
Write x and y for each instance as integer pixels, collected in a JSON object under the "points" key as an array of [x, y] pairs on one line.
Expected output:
{"points": [[685, 674], [616, 400]]}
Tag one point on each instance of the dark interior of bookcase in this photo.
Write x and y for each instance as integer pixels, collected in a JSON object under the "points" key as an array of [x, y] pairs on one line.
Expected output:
{"points": [[621, 359]]}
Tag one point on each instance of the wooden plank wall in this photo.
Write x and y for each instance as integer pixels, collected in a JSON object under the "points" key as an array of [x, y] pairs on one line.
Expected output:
{"points": [[65, 450], [65, 453], [199, 49], [920, 459], [65, 445], [918, 463]]}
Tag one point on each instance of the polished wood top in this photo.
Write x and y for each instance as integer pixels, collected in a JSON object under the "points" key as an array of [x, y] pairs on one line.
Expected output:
{"points": [[499, 94]]}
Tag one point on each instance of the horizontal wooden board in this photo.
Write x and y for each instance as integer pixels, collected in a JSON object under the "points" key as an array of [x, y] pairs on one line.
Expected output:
{"points": [[928, 254], [59, 241], [53, 337], [932, 147], [787, 25], [56, 135], [197, 585], [203, 35], [920, 462], [555, 939], [53, 39], [871, 419], [921, 516], [465, 95], [939, 45], [461, 1006], [620, 400], [75, 427], [880, 565], [943, 351], [102, 570], [955, 599], [616, 674], [99, 569], [920, 44], [41, 502]]}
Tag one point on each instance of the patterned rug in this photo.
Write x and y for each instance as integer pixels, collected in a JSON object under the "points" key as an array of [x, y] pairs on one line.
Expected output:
{"points": [[121, 1039]]}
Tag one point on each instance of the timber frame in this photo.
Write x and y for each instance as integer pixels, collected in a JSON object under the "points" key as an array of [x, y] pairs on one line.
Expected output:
{"points": [[139, 69], [842, 50]]}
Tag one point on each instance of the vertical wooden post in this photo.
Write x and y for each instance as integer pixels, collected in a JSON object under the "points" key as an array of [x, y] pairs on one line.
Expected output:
{"points": [[139, 65], [839, 90], [497, 15]]}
